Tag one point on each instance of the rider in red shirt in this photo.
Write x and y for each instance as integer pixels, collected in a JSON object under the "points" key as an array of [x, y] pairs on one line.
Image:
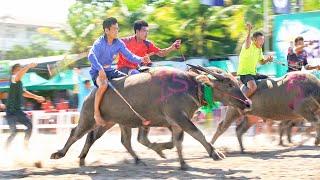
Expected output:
{"points": [[140, 46]]}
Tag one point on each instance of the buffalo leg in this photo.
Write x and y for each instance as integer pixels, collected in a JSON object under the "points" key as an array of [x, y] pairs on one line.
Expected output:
{"points": [[185, 123], [157, 147], [231, 116], [289, 131], [241, 129], [75, 135], [284, 125], [126, 141], [91, 138], [317, 127], [177, 140], [309, 109]]}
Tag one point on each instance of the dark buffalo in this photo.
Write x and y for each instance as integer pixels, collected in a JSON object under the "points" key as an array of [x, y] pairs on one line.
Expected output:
{"points": [[167, 97], [294, 97]]}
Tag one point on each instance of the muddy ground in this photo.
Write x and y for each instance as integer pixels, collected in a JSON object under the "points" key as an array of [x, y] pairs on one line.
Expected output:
{"points": [[108, 159]]}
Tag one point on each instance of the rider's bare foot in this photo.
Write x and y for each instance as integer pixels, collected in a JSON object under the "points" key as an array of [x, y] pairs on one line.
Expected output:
{"points": [[146, 122]]}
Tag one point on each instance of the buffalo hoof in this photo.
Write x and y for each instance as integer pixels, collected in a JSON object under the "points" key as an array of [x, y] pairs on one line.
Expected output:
{"points": [[57, 155], [138, 161], [161, 154], [82, 162], [280, 143], [217, 155], [242, 151], [317, 142], [159, 147], [184, 166], [283, 145]]}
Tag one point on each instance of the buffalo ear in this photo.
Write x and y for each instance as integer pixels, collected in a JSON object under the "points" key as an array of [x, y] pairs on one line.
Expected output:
{"points": [[194, 70], [203, 79], [207, 70]]}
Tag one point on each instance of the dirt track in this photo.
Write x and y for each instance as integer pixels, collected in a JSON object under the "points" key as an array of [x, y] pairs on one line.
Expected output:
{"points": [[106, 160]]}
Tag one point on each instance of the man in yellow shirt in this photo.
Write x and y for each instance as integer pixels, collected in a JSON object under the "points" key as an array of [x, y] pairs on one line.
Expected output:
{"points": [[250, 55]]}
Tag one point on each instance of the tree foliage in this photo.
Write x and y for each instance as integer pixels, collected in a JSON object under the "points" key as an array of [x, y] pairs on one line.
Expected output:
{"points": [[205, 30], [38, 49]]}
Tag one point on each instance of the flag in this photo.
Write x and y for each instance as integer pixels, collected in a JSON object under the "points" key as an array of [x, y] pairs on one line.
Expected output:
{"points": [[212, 2], [281, 6]]}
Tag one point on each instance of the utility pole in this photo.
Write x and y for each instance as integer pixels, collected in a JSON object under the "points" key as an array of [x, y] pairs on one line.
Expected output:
{"points": [[266, 25]]}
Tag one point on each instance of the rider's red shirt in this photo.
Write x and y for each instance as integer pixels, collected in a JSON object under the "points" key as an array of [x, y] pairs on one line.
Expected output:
{"points": [[138, 48]]}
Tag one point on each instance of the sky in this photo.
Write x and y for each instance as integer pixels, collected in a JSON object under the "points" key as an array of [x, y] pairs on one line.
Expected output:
{"points": [[38, 10]]}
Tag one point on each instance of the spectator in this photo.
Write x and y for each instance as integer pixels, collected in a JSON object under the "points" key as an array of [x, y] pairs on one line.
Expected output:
{"points": [[14, 113], [297, 56], [62, 104]]}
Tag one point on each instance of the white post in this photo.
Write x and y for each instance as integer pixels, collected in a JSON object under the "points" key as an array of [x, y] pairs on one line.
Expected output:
{"points": [[60, 117], [35, 121]]}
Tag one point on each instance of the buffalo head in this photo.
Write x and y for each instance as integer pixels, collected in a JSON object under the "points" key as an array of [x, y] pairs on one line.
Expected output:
{"points": [[226, 87]]}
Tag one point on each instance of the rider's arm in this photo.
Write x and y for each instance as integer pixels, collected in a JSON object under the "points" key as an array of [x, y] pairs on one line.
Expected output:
{"points": [[18, 76], [28, 94], [248, 38], [93, 57], [165, 52], [309, 67], [162, 52], [128, 54], [262, 59], [299, 48]]}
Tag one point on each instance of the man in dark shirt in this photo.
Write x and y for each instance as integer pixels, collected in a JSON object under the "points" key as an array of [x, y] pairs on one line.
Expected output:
{"points": [[297, 56], [14, 111]]}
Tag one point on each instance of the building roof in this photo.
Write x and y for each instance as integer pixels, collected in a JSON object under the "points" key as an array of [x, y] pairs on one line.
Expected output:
{"points": [[8, 19]]}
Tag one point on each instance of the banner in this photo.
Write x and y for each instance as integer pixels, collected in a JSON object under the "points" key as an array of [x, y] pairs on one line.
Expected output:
{"points": [[212, 2], [281, 6], [287, 27]]}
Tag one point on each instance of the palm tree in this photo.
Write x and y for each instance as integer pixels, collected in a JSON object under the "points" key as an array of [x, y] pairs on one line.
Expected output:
{"points": [[205, 31]]}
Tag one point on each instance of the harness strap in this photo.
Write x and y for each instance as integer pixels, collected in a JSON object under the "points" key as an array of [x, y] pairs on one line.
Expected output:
{"points": [[200, 96]]}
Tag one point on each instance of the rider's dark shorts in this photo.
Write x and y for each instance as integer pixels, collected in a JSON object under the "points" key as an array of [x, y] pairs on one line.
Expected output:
{"points": [[124, 70], [111, 74], [246, 78]]}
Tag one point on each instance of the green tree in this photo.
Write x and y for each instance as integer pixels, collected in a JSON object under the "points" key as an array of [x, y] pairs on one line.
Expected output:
{"points": [[311, 5], [34, 50], [205, 31]]}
